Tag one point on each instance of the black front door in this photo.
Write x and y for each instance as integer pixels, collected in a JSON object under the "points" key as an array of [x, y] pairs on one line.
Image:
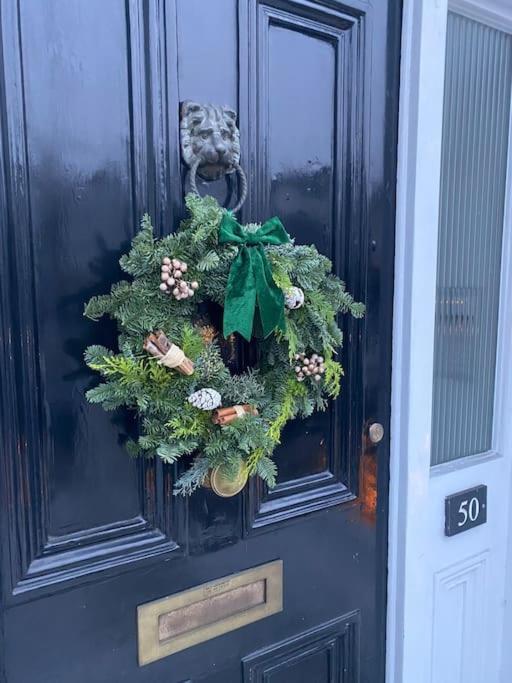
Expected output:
{"points": [[90, 93]]}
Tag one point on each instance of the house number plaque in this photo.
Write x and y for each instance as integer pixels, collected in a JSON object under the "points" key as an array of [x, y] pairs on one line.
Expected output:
{"points": [[465, 510], [180, 621]]}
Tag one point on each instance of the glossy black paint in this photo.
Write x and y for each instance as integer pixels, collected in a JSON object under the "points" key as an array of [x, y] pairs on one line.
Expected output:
{"points": [[89, 104]]}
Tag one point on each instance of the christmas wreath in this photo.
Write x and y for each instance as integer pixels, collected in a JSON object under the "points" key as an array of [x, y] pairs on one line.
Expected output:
{"points": [[174, 366]]}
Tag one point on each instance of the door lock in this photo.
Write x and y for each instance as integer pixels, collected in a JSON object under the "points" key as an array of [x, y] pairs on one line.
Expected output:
{"points": [[376, 432]]}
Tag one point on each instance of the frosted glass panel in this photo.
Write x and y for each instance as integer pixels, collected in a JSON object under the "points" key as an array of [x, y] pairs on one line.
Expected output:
{"points": [[473, 177]]}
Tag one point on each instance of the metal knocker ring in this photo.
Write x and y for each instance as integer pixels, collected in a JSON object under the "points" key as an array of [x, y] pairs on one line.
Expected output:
{"points": [[241, 175]]}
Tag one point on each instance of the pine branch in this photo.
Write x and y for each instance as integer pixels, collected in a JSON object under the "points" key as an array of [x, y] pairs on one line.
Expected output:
{"points": [[193, 478], [267, 470]]}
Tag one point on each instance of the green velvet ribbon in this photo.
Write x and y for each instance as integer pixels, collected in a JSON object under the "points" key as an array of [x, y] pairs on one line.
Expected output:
{"points": [[253, 300]]}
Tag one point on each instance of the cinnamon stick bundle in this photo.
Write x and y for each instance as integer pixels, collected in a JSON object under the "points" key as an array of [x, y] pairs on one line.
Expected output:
{"points": [[168, 354], [224, 416]]}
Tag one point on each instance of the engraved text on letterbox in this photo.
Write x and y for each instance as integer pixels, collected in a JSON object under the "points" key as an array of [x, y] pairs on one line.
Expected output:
{"points": [[214, 607]]}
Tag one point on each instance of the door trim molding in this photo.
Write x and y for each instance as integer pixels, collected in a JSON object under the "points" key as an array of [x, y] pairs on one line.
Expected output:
{"points": [[463, 463], [502, 430], [493, 13], [418, 176]]}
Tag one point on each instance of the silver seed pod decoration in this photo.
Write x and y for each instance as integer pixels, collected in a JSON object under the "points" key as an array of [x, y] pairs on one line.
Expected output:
{"points": [[309, 366], [205, 399], [173, 279], [294, 298]]}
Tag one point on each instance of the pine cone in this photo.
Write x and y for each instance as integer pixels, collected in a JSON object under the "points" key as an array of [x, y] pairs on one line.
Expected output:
{"points": [[205, 399]]}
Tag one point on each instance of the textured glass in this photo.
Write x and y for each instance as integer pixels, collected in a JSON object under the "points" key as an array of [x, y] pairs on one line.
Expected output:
{"points": [[473, 179]]}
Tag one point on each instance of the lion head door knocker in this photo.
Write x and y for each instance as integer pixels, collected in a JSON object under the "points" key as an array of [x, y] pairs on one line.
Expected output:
{"points": [[210, 144]]}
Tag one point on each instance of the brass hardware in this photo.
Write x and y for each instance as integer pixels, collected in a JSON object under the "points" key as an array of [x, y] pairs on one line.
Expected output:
{"points": [[224, 486], [188, 618], [376, 432], [210, 610]]}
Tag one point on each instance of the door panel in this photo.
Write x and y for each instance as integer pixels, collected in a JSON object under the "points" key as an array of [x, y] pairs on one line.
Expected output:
{"points": [[317, 655], [90, 97], [80, 503], [471, 397], [308, 169], [91, 196]]}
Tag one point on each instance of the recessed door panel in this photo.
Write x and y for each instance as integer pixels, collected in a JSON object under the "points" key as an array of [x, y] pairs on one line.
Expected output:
{"points": [[58, 42], [308, 161]]}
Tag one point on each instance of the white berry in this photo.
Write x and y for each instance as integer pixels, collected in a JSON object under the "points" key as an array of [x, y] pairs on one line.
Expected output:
{"points": [[163, 287]]}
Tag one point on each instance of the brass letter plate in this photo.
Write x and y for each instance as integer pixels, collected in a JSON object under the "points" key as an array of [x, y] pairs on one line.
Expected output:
{"points": [[172, 624]]}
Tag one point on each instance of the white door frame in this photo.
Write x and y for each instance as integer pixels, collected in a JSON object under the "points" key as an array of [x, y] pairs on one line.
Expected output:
{"points": [[419, 159], [410, 590]]}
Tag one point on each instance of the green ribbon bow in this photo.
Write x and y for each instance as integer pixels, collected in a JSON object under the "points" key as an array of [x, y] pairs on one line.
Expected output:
{"points": [[251, 288]]}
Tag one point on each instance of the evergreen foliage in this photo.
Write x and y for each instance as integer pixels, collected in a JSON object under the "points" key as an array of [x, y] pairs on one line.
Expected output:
{"points": [[170, 427]]}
